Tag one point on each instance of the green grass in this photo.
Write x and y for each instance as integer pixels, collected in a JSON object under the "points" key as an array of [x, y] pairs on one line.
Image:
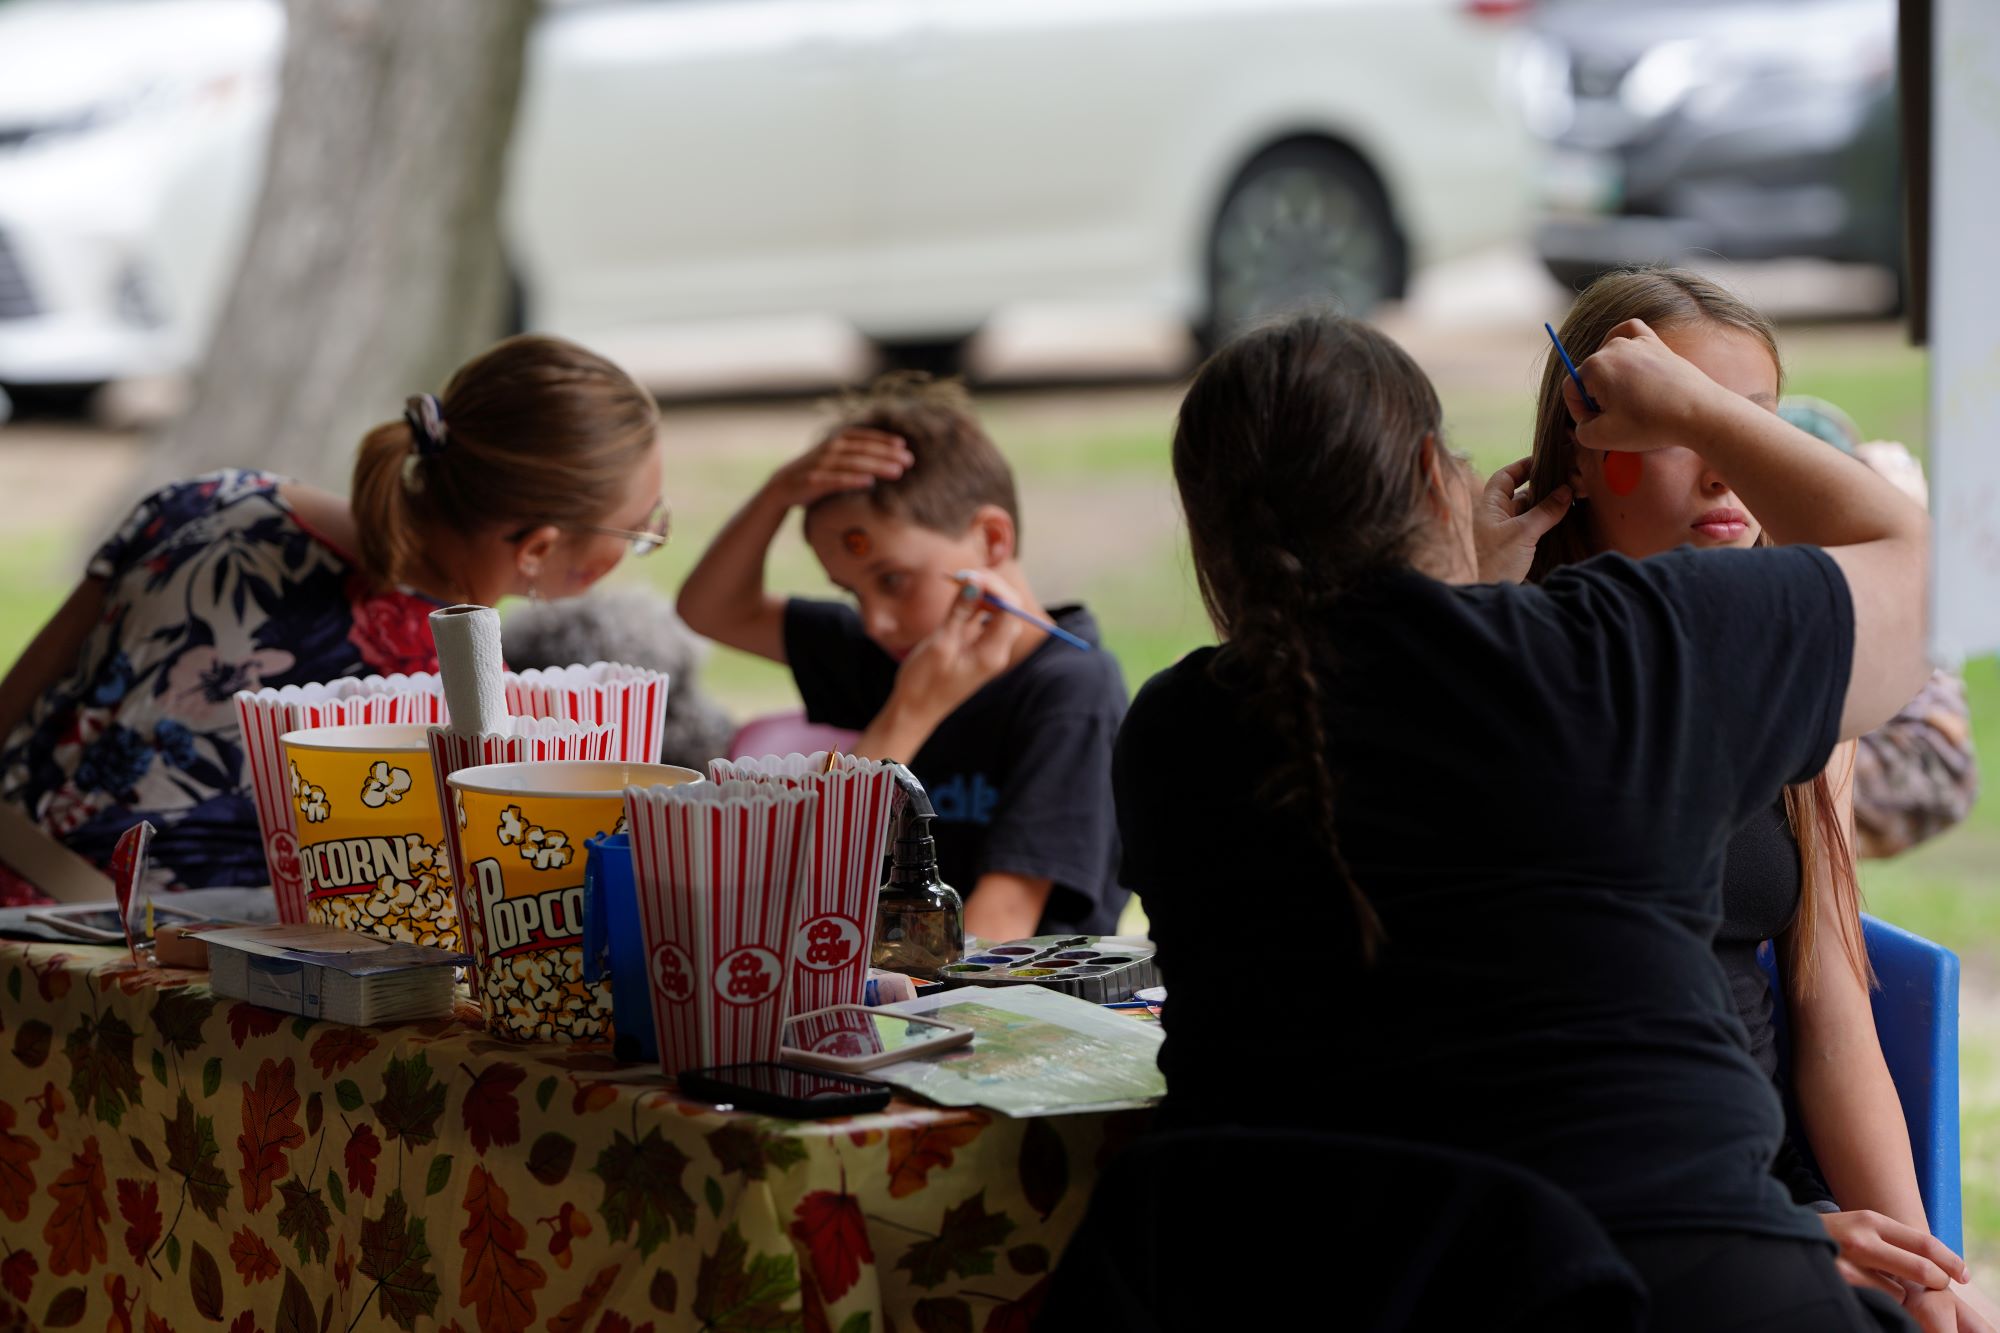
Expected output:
{"points": [[34, 581], [1877, 381], [1944, 890], [1979, 1153]]}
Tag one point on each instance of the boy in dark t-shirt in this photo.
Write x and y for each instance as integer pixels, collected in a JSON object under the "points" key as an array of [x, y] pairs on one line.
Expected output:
{"points": [[912, 511]]}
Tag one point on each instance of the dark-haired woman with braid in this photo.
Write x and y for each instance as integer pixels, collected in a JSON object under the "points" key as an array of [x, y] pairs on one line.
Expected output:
{"points": [[531, 475], [1484, 823]]}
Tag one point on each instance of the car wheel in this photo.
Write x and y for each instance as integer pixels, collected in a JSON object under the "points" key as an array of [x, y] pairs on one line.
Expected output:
{"points": [[1304, 223], [938, 357]]}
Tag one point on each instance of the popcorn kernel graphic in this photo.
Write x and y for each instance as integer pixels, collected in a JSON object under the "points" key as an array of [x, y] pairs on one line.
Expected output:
{"points": [[384, 785], [313, 804], [512, 827], [547, 849]]}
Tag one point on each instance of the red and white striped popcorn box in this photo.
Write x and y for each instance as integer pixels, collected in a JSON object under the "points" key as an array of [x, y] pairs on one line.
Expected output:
{"points": [[850, 837], [534, 740], [720, 869], [266, 715], [611, 694]]}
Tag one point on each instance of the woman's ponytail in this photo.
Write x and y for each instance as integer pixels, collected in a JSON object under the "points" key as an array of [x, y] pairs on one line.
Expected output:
{"points": [[383, 504]]}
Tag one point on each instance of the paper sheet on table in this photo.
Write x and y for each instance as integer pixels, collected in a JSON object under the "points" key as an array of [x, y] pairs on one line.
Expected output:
{"points": [[1035, 1052]]}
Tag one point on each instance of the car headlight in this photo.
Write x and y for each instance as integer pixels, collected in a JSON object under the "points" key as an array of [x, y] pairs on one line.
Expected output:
{"points": [[39, 132]]}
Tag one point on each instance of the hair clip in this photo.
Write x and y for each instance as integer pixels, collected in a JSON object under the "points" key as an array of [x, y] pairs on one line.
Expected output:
{"points": [[426, 422]]}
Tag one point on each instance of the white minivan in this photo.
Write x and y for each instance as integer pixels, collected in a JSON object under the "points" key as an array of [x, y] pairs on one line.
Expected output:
{"points": [[913, 167]]}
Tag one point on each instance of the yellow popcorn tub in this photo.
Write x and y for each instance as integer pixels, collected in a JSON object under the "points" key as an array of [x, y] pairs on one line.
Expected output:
{"points": [[372, 853], [521, 835]]}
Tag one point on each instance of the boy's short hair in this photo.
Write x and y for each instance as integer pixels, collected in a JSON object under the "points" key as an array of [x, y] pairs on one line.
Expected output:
{"points": [[958, 468]]}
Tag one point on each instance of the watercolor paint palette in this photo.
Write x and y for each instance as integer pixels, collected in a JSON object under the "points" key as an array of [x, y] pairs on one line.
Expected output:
{"points": [[1100, 968]]}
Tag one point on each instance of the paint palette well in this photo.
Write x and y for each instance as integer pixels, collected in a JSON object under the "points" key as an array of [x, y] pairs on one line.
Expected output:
{"points": [[1100, 968]]}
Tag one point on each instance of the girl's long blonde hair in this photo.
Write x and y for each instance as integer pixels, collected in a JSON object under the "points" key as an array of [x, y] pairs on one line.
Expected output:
{"points": [[1667, 298]]}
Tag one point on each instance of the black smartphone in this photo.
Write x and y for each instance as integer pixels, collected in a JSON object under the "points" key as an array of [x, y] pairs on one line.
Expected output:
{"points": [[785, 1090]]}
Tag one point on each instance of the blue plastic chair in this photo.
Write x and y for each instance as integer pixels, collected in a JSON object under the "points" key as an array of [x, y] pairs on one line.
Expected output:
{"points": [[1916, 1020]]}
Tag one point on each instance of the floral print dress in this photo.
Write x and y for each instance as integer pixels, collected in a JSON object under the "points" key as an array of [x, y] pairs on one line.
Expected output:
{"points": [[212, 586]]}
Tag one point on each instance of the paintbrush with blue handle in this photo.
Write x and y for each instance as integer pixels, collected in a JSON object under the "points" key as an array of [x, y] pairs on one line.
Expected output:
{"points": [[1570, 366], [965, 580]]}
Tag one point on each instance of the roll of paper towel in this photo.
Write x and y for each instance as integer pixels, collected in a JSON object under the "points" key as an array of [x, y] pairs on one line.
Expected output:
{"points": [[468, 647]]}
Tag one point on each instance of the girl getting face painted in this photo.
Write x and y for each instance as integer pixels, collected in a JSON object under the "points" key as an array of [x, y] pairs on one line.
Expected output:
{"points": [[1641, 504]]}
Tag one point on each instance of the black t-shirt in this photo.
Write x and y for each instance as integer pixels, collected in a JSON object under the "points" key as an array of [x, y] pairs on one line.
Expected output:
{"points": [[1537, 785], [1020, 773], [1761, 887], [1760, 899]]}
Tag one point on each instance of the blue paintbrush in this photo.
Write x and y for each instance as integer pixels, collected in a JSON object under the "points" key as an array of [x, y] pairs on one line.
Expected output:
{"points": [[1570, 365], [1001, 604]]}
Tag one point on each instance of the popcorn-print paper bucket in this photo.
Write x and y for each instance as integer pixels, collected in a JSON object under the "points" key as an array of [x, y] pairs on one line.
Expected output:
{"points": [[266, 716], [844, 876], [372, 854], [521, 831], [534, 740], [720, 869]]}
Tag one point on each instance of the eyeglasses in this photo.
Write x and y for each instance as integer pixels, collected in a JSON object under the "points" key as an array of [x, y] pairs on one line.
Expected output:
{"points": [[649, 537]]}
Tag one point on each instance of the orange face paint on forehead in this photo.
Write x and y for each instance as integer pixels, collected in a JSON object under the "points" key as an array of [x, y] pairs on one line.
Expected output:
{"points": [[1622, 472], [855, 542]]}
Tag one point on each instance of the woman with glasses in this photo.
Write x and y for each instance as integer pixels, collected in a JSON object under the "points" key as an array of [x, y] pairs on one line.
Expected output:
{"points": [[532, 475]]}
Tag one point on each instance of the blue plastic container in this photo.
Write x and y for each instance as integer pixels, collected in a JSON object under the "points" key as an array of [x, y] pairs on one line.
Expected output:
{"points": [[614, 941]]}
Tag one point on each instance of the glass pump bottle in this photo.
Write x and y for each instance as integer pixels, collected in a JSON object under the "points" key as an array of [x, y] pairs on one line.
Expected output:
{"points": [[919, 919]]}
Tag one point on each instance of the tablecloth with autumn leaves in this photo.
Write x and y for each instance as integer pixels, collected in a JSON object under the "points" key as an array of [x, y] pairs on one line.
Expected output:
{"points": [[171, 1160]]}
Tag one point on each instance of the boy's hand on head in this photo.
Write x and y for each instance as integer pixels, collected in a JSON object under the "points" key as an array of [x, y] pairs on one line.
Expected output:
{"points": [[974, 645], [1506, 526], [852, 460]]}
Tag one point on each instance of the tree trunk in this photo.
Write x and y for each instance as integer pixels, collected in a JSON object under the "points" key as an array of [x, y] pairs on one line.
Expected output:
{"points": [[374, 262]]}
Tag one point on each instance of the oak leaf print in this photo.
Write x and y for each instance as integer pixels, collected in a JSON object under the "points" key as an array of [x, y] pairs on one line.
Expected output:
{"points": [[74, 1232], [270, 1125]]}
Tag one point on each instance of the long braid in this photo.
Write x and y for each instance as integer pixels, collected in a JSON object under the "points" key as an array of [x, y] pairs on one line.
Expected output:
{"points": [[1298, 461], [1284, 669]]}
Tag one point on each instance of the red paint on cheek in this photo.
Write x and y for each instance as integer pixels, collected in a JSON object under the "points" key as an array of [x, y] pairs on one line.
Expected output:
{"points": [[1622, 472]]}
